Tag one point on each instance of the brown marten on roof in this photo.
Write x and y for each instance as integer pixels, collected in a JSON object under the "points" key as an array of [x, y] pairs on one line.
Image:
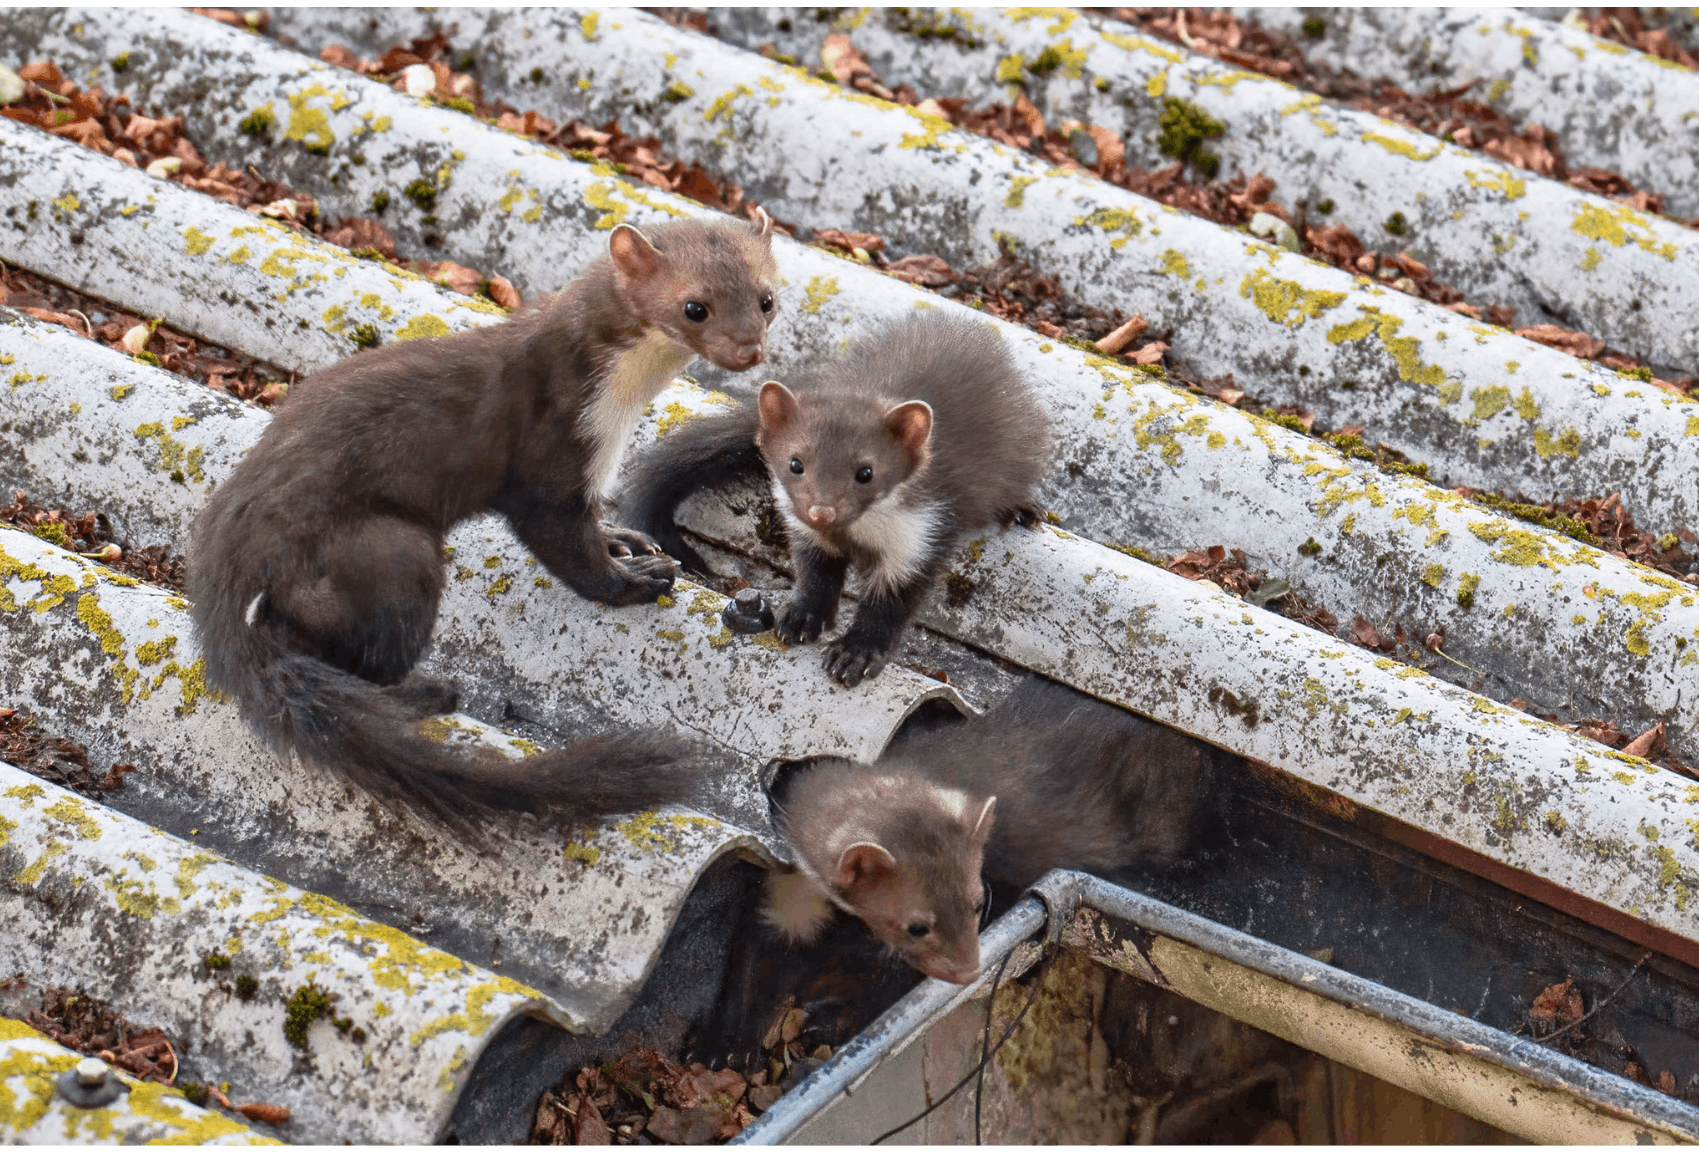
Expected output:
{"points": [[1050, 778], [316, 568], [885, 461]]}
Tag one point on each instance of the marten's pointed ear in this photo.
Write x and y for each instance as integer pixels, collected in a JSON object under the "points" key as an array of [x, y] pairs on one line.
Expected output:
{"points": [[763, 225], [778, 406], [981, 830], [910, 425], [633, 254], [863, 864]]}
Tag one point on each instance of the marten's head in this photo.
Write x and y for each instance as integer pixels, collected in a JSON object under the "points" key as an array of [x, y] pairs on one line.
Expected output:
{"points": [[837, 455], [710, 286], [900, 852]]}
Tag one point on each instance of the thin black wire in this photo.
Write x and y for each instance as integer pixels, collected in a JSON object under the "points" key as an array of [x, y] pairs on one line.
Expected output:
{"points": [[983, 1060], [1550, 1036], [984, 1047]]}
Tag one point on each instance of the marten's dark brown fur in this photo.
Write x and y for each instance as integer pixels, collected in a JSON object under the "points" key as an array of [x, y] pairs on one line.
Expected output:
{"points": [[885, 461], [1049, 779], [317, 567]]}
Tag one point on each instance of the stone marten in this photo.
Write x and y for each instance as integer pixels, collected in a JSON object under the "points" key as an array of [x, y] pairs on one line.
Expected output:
{"points": [[1051, 778], [885, 461], [317, 567]]}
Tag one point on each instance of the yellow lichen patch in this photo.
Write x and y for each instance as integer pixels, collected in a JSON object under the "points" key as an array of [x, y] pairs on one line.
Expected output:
{"points": [[1525, 549], [1489, 402], [1174, 263], [477, 1019], [1122, 223], [1017, 191], [587, 853], [67, 203], [722, 104], [308, 125], [1158, 84], [935, 127], [1433, 575], [70, 811], [1401, 147], [1619, 226], [1286, 301], [1525, 406], [1513, 187], [1565, 443], [649, 831], [1404, 350], [421, 327], [175, 458], [819, 290], [196, 241]]}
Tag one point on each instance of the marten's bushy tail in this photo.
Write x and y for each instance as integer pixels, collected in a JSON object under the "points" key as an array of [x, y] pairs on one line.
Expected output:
{"points": [[370, 735], [704, 452]]}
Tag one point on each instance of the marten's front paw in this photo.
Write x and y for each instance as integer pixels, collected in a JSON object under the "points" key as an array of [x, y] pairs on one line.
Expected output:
{"points": [[1029, 516], [624, 543], [854, 658], [800, 625], [643, 579]]}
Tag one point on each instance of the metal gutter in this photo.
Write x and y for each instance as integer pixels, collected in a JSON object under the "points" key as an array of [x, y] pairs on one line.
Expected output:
{"points": [[1499, 233], [1609, 105], [1508, 1082], [97, 900]]}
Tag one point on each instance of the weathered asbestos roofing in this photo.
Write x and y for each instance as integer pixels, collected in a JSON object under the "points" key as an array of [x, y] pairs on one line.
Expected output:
{"points": [[34, 1112], [1545, 618]]}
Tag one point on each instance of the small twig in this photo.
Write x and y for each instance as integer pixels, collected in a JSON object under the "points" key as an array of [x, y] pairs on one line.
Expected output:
{"points": [[1635, 971]]}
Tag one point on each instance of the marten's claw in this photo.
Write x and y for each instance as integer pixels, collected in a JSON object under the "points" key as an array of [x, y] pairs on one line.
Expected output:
{"points": [[850, 661], [797, 625], [624, 543]]}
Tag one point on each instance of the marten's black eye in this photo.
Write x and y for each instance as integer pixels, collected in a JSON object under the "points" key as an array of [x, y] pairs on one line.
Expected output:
{"points": [[796, 465], [917, 929], [766, 303], [864, 475], [695, 311]]}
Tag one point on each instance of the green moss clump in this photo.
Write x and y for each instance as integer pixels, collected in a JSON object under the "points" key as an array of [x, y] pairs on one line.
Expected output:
{"points": [[1314, 28], [216, 961], [365, 336], [461, 104], [1185, 127], [258, 123], [194, 1091], [308, 1003], [1638, 372], [367, 254], [380, 201], [423, 193], [1420, 471], [677, 92], [1534, 514], [1352, 446], [120, 61], [54, 534], [536, 75], [1046, 61], [1324, 207], [246, 986], [146, 357], [957, 589], [1396, 224], [1285, 421], [1309, 548]]}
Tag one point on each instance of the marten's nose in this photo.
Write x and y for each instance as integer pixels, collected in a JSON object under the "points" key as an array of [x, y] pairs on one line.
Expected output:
{"points": [[821, 515]]}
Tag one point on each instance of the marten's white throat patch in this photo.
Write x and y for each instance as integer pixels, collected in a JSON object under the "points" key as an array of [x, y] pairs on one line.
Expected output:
{"points": [[635, 377], [899, 538], [253, 612]]}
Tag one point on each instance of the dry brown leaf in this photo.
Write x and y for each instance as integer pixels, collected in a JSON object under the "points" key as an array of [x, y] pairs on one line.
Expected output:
{"points": [[1647, 744], [265, 1113], [504, 293], [1560, 1003], [928, 271]]}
